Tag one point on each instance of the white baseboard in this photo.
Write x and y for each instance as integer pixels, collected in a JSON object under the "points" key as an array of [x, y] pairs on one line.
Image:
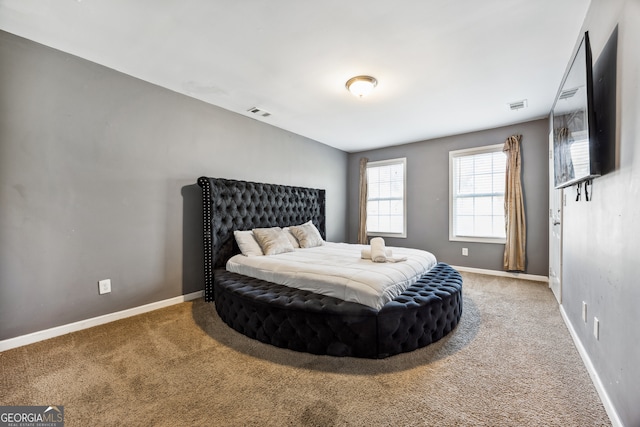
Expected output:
{"points": [[503, 274], [604, 397], [34, 337]]}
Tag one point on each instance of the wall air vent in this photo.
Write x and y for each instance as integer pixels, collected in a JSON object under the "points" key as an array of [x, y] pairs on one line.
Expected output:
{"points": [[258, 112], [569, 93], [518, 105]]}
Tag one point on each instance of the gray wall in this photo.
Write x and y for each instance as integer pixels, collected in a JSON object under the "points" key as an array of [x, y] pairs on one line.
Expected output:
{"points": [[97, 174], [602, 237], [428, 196]]}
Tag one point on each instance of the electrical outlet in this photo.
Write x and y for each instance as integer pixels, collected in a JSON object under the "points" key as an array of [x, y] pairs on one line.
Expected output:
{"points": [[104, 286], [465, 251], [584, 311], [596, 328]]}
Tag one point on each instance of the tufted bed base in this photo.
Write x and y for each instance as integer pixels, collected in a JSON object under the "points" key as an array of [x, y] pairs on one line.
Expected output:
{"points": [[304, 321]]}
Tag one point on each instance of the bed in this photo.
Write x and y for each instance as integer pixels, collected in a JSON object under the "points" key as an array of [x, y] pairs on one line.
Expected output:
{"points": [[300, 319]]}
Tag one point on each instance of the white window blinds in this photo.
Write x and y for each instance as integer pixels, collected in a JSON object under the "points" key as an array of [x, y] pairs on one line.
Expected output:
{"points": [[477, 194], [386, 211]]}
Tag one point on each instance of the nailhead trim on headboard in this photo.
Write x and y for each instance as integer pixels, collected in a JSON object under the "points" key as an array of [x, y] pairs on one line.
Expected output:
{"points": [[230, 205]]}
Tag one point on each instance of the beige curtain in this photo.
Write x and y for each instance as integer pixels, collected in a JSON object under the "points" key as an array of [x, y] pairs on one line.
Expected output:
{"points": [[516, 228], [362, 226]]}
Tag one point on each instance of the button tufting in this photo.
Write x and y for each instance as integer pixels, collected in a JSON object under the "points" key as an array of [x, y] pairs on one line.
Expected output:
{"points": [[422, 319]]}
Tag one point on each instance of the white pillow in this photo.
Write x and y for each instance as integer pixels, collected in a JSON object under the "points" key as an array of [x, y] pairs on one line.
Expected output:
{"points": [[247, 243], [307, 234], [273, 240], [291, 237]]}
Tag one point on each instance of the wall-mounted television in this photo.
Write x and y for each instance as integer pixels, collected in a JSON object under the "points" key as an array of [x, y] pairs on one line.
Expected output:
{"points": [[575, 142]]}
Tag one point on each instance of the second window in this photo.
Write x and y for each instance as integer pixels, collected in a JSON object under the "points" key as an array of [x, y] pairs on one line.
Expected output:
{"points": [[476, 205]]}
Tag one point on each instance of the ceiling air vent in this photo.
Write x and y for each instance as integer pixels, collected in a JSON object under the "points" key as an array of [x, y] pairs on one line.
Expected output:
{"points": [[258, 112], [569, 93], [518, 105]]}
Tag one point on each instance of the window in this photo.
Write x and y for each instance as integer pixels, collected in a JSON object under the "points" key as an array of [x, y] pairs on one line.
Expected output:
{"points": [[386, 209], [476, 194]]}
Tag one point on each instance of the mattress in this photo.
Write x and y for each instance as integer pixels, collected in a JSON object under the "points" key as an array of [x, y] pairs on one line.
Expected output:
{"points": [[337, 270]]}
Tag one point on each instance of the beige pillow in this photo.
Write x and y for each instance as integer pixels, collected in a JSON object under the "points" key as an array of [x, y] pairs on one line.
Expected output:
{"points": [[247, 243], [273, 240], [307, 234], [291, 237]]}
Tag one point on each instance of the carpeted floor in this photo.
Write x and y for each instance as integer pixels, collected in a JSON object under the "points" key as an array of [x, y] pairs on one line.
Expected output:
{"points": [[510, 362]]}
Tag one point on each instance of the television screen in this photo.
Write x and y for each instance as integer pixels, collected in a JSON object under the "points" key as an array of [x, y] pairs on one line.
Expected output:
{"points": [[576, 153]]}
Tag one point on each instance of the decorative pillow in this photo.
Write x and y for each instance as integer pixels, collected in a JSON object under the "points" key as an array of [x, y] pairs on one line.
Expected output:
{"points": [[307, 234], [247, 243], [272, 240], [291, 237]]}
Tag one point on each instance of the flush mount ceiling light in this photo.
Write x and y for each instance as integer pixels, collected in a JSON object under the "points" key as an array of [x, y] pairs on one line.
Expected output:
{"points": [[361, 85]]}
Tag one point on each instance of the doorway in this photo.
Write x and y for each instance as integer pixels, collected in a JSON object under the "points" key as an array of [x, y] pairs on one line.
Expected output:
{"points": [[556, 201]]}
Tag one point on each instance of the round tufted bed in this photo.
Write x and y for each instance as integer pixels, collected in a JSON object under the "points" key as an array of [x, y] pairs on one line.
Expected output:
{"points": [[301, 320]]}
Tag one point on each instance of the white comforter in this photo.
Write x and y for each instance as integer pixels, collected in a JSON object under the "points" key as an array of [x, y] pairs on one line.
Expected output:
{"points": [[337, 270]]}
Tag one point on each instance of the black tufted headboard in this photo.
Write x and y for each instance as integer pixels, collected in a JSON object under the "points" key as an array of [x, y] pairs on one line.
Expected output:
{"points": [[230, 205]]}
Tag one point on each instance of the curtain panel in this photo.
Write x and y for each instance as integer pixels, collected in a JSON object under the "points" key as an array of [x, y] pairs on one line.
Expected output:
{"points": [[362, 223], [515, 223]]}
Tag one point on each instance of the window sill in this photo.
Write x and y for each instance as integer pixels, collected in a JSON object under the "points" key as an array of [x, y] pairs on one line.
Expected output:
{"points": [[477, 239], [394, 235]]}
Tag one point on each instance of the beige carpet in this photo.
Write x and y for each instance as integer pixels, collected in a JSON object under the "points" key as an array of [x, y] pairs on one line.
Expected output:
{"points": [[510, 362]]}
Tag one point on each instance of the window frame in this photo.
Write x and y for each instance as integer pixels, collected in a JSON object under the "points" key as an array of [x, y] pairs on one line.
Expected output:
{"points": [[379, 163], [462, 153]]}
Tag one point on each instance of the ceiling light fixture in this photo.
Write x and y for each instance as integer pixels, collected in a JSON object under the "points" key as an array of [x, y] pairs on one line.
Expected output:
{"points": [[361, 85]]}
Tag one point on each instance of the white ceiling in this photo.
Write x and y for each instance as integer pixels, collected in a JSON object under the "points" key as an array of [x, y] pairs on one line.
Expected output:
{"points": [[444, 67]]}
